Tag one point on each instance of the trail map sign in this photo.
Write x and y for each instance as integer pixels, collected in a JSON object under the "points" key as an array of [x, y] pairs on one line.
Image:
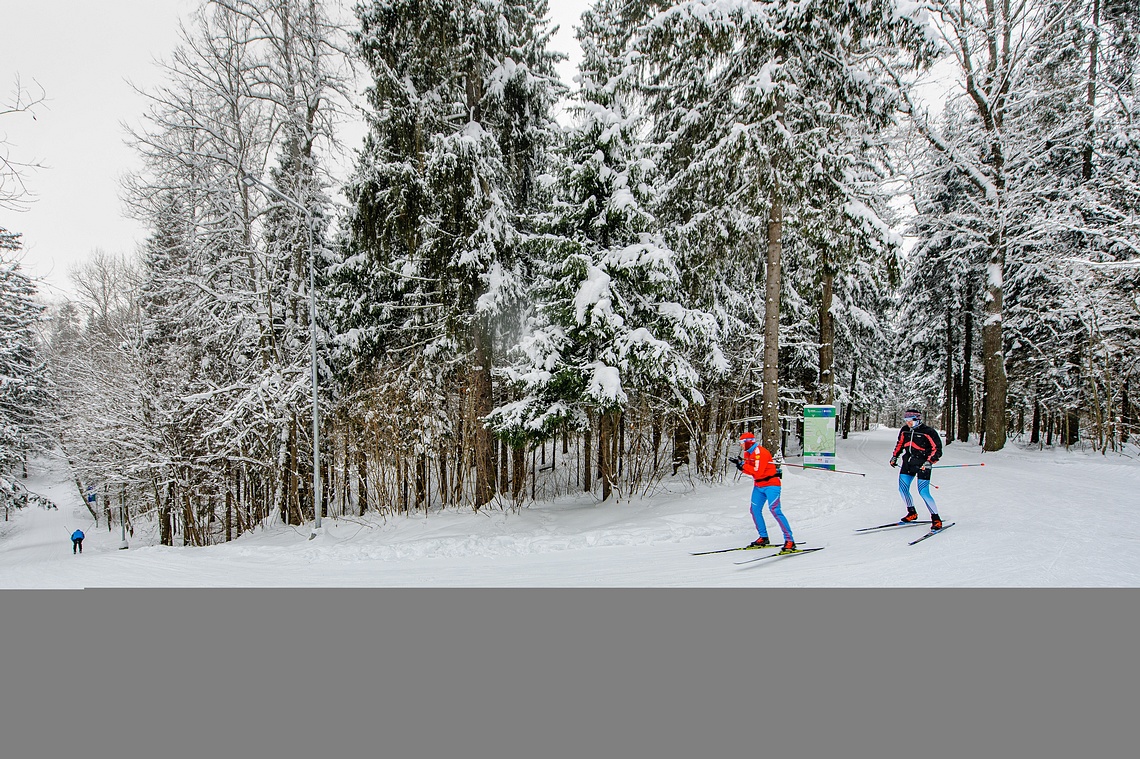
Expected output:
{"points": [[819, 437]]}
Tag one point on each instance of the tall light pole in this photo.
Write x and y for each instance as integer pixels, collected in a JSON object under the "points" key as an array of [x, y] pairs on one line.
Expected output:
{"points": [[251, 181]]}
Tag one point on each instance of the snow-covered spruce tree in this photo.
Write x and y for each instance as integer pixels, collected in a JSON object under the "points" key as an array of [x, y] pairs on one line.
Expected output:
{"points": [[607, 332], [24, 386], [25, 390], [444, 203], [745, 98]]}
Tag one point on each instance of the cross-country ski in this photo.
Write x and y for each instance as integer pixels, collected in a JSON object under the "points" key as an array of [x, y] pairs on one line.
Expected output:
{"points": [[932, 533], [890, 525], [781, 555]]}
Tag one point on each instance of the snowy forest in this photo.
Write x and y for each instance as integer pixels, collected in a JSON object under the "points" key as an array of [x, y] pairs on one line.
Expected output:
{"points": [[515, 287]]}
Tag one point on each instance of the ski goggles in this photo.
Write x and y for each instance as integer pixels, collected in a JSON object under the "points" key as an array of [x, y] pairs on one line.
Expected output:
{"points": [[912, 418]]}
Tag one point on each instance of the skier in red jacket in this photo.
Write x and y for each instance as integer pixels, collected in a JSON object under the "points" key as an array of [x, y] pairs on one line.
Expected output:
{"points": [[765, 472]]}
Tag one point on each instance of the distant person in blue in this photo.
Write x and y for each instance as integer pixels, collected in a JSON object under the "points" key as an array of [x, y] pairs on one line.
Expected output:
{"points": [[77, 541]]}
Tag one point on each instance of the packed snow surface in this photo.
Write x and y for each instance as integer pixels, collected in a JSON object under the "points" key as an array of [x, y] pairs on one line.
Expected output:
{"points": [[1028, 518]]}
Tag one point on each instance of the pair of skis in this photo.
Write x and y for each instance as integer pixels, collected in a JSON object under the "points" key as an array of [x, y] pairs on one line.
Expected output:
{"points": [[741, 548], [777, 555], [891, 525]]}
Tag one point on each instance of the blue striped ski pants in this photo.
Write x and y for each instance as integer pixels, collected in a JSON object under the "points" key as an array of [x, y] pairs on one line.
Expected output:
{"points": [[769, 496], [923, 490]]}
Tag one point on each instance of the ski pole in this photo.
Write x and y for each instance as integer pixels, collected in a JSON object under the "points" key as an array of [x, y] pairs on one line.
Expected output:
{"points": [[814, 466], [823, 469], [953, 466]]}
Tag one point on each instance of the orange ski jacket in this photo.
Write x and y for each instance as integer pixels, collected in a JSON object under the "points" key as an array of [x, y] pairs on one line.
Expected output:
{"points": [[759, 465]]}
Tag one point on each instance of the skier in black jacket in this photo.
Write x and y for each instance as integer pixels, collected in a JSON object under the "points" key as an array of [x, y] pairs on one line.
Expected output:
{"points": [[920, 448]]}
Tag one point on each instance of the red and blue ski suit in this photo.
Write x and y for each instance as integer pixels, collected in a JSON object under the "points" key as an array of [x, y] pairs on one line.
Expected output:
{"points": [[758, 464]]}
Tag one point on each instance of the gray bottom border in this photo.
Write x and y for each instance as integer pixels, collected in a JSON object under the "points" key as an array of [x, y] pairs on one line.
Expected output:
{"points": [[569, 673]]}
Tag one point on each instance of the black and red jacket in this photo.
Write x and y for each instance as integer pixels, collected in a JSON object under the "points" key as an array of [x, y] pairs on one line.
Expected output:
{"points": [[918, 445]]}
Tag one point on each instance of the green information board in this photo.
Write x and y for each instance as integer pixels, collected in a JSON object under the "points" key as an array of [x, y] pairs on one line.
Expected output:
{"points": [[819, 437]]}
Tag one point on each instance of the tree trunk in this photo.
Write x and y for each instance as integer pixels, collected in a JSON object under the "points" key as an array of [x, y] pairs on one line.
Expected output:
{"points": [[518, 472], [187, 518], [361, 480], [587, 459], [1090, 99], [770, 413], [607, 438], [850, 404], [995, 378], [965, 401], [825, 390], [603, 455], [1035, 436], [504, 467], [1072, 427], [229, 507], [292, 510], [1126, 416], [682, 441], [421, 482], [655, 437], [481, 389], [948, 390], [162, 506], [619, 446]]}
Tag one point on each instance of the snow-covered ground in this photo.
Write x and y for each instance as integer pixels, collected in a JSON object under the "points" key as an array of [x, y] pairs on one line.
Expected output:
{"points": [[1027, 518]]}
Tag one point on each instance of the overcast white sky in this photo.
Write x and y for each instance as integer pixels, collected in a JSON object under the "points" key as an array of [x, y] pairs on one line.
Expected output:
{"points": [[84, 55]]}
